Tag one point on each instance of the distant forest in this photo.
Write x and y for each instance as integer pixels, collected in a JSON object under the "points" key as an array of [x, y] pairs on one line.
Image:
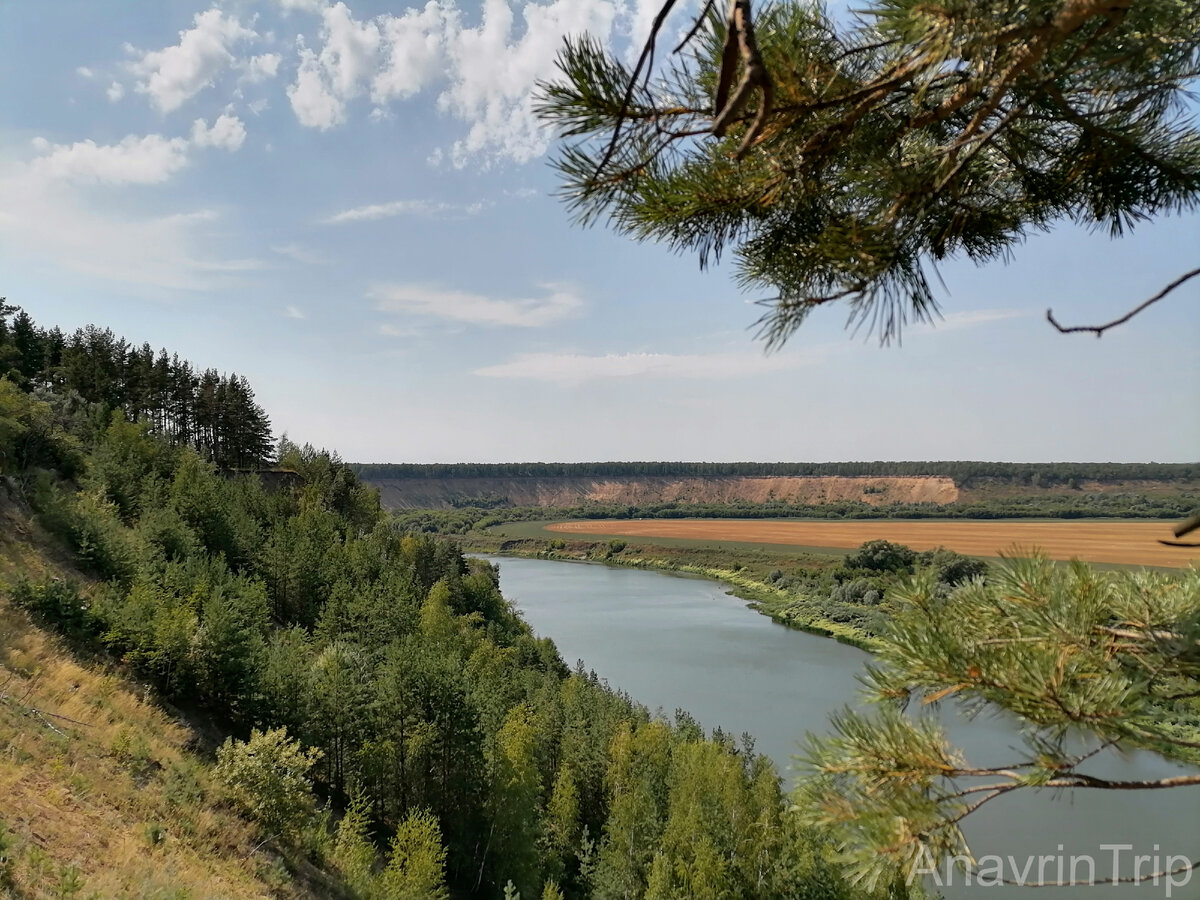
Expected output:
{"points": [[214, 413], [963, 472]]}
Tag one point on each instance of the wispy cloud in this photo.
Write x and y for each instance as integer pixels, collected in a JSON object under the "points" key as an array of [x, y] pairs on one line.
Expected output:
{"points": [[973, 318], [572, 368], [294, 312], [50, 219], [300, 254], [559, 302], [373, 211], [400, 331]]}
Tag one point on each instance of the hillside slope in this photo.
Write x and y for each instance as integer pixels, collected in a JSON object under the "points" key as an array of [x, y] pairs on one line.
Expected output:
{"points": [[102, 796]]}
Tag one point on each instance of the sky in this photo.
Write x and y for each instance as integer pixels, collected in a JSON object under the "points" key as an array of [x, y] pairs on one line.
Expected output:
{"points": [[352, 205]]}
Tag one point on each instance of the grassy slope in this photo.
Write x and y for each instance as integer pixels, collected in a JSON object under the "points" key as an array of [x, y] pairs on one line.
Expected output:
{"points": [[119, 806]]}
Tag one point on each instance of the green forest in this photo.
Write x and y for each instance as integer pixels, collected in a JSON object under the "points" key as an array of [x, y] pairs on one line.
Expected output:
{"points": [[964, 473], [385, 712]]}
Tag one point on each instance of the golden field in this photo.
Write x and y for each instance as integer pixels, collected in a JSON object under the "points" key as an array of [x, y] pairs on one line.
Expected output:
{"points": [[1122, 542]]}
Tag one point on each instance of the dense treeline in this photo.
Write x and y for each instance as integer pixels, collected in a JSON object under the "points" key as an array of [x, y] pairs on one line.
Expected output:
{"points": [[452, 747], [214, 413], [963, 472]]}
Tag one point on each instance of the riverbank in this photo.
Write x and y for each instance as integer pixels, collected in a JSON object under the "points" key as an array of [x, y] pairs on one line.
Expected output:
{"points": [[763, 597]]}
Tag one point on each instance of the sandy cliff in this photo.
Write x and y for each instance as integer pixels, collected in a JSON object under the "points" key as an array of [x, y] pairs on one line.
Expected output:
{"points": [[433, 493]]}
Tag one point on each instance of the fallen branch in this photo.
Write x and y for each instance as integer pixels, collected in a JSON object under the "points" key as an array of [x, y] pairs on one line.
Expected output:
{"points": [[42, 714]]}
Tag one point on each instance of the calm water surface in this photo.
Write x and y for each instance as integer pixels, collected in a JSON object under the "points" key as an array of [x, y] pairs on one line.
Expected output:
{"points": [[674, 642]]}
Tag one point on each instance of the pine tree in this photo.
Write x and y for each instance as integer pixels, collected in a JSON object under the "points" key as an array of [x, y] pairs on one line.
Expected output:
{"points": [[516, 788], [1086, 660], [859, 155], [353, 852], [417, 862]]}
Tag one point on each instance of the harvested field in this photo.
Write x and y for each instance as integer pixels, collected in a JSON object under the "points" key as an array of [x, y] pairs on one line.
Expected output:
{"points": [[1127, 543]]}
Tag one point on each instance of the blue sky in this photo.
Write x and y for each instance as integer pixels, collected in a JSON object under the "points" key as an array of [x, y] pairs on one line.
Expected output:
{"points": [[350, 204]]}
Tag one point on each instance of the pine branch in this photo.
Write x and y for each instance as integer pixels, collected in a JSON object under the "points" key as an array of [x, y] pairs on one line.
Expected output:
{"points": [[1099, 330], [646, 56]]}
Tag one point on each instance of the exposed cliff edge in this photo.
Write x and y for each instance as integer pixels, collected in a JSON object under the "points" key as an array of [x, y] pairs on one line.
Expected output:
{"points": [[569, 491]]}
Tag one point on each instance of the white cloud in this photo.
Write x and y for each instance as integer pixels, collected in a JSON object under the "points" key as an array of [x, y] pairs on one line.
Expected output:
{"points": [[293, 312], [575, 368], [313, 102], [177, 73], [115, 92], [493, 73], [135, 159], [375, 211], [414, 50], [262, 67], [484, 75], [559, 302], [85, 72], [643, 15], [350, 51], [227, 133], [150, 159], [340, 72]]}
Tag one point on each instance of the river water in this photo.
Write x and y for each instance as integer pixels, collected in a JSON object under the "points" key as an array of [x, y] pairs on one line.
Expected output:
{"points": [[674, 642]]}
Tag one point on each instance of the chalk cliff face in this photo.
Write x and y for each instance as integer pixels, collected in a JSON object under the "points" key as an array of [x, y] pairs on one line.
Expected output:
{"points": [[435, 493]]}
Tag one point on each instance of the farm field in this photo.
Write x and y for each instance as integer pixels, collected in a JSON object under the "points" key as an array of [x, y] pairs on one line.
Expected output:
{"points": [[1115, 542]]}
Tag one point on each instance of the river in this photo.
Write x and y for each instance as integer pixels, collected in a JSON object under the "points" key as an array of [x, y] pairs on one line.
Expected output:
{"points": [[674, 642]]}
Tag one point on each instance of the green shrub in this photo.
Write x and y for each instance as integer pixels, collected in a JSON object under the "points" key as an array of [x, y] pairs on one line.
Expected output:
{"points": [[58, 601], [163, 529], [268, 777], [953, 568], [101, 539], [882, 556]]}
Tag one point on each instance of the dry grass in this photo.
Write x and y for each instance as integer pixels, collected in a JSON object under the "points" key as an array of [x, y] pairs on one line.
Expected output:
{"points": [[99, 791], [1131, 543]]}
